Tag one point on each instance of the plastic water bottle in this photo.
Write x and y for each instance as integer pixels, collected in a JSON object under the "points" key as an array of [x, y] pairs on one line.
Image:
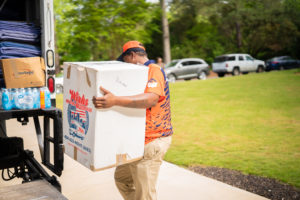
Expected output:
{"points": [[14, 96], [47, 98], [19, 98], [13, 92], [28, 99], [16, 100], [19, 101], [36, 98], [10, 97], [6, 99]]}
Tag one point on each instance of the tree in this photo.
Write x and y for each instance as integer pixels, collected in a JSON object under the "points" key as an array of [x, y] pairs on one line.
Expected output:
{"points": [[166, 34], [194, 30], [97, 29], [154, 46]]}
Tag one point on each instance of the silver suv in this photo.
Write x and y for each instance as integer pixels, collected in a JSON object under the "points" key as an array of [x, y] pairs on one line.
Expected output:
{"points": [[187, 69]]}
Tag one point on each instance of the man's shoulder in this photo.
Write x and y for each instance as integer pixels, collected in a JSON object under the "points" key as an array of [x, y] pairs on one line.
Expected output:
{"points": [[154, 66]]}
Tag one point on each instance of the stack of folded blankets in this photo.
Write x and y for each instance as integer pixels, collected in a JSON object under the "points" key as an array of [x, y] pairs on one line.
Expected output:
{"points": [[18, 40], [18, 50]]}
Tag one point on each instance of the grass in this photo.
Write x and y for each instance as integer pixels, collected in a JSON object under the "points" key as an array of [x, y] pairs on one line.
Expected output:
{"points": [[249, 123], [59, 101]]}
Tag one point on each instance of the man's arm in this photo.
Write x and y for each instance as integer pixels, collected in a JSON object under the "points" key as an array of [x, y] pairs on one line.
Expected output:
{"points": [[145, 100]]}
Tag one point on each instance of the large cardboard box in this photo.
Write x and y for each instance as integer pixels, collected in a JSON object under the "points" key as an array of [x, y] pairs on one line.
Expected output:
{"points": [[103, 138], [23, 72]]}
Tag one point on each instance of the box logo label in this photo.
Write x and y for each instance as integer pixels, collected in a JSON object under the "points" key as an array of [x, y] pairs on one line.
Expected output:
{"points": [[78, 115]]}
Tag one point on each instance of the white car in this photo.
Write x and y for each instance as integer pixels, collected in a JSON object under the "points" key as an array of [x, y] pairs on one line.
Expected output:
{"points": [[236, 64], [59, 84]]}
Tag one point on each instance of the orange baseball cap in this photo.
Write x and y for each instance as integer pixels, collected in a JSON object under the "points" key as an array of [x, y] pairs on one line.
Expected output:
{"points": [[134, 46]]}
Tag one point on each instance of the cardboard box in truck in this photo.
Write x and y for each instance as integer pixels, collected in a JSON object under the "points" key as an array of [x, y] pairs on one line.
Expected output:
{"points": [[103, 138], [23, 72]]}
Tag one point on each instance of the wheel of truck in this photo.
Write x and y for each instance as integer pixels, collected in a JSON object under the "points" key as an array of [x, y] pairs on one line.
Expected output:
{"points": [[201, 76], [260, 69], [236, 71], [221, 74], [171, 78]]}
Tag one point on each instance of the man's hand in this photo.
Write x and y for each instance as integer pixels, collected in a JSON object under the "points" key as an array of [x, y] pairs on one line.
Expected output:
{"points": [[108, 100]]}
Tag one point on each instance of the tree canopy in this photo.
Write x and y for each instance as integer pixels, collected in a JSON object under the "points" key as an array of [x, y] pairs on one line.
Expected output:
{"points": [[97, 29]]}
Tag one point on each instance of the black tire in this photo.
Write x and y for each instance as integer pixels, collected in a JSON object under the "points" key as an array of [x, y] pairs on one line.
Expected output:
{"points": [[236, 71], [281, 68], [202, 75], [171, 78], [260, 69], [221, 74]]}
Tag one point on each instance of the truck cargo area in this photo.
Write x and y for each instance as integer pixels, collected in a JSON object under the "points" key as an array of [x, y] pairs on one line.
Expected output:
{"points": [[20, 10]]}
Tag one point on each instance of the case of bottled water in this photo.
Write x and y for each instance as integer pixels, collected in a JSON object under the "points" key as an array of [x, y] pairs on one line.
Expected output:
{"points": [[24, 98]]}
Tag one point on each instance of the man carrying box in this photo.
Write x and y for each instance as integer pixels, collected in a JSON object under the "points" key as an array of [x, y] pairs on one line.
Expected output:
{"points": [[137, 180]]}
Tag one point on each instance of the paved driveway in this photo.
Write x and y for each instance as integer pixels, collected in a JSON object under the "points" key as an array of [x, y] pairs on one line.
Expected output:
{"points": [[174, 183]]}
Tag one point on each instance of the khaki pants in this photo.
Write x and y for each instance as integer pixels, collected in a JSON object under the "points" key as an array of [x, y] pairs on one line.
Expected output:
{"points": [[137, 180]]}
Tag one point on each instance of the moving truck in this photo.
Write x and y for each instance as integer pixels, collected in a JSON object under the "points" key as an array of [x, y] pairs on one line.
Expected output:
{"points": [[40, 13], [12, 153]]}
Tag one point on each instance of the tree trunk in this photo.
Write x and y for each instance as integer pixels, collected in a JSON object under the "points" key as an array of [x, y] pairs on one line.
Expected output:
{"points": [[166, 34], [238, 35]]}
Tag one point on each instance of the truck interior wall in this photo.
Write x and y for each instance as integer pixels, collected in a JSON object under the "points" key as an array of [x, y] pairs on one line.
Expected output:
{"points": [[20, 10]]}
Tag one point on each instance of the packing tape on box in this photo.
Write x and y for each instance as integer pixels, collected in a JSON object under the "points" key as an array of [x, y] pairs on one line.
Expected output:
{"points": [[88, 78], [80, 69], [69, 72], [121, 158], [75, 153]]}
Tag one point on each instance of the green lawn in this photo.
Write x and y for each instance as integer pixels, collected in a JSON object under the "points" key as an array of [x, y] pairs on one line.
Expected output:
{"points": [[249, 123], [59, 101]]}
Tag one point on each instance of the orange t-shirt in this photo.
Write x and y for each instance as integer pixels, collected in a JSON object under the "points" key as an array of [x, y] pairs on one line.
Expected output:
{"points": [[158, 117]]}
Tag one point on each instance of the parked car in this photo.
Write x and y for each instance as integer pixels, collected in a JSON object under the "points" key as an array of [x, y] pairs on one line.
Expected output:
{"points": [[236, 64], [281, 63], [59, 84], [187, 69]]}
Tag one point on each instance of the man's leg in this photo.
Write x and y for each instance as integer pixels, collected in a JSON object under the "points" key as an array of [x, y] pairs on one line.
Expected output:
{"points": [[124, 182], [145, 171]]}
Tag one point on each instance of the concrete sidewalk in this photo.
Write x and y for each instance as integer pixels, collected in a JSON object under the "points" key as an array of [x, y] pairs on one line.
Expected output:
{"points": [[174, 183]]}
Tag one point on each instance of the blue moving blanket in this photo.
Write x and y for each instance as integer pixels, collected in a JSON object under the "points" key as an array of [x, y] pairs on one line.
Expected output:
{"points": [[19, 31], [19, 36], [19, 26], [13, 49]]}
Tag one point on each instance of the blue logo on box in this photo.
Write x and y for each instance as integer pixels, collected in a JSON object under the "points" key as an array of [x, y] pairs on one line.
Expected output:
{"points": [[78, 115]]}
